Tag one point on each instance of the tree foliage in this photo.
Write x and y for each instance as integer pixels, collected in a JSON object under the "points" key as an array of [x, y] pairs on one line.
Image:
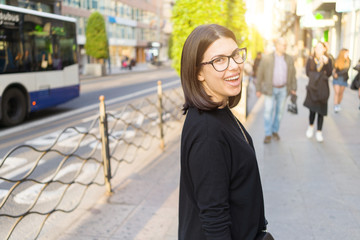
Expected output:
{"points": [[188, 14], [235, 21], [96, 39], [257, 42]]}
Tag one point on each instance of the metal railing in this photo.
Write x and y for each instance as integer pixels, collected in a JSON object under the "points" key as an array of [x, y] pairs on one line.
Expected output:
{"points": [[81, 157]]}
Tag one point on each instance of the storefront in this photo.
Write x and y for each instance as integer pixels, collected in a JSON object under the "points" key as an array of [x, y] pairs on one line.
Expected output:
{"points": [[152, 52]]}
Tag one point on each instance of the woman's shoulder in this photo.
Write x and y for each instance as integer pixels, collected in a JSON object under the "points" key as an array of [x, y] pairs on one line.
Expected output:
{"points": [[204, 123], [198, 117]]}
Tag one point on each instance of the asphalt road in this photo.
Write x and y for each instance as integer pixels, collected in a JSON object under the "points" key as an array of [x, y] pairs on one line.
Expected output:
{"points": [[43, 128]]}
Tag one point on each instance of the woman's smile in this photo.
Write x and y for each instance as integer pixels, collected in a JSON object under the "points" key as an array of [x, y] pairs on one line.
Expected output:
{"points": [[234, 80]]}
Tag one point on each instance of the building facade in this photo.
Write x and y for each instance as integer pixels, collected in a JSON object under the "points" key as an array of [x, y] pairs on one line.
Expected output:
{"points": [[50, 6], [135, 28]]}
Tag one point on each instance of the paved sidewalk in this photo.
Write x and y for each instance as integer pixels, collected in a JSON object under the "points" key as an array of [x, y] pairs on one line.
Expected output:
{"points": [[311, 189], [144, 204]]}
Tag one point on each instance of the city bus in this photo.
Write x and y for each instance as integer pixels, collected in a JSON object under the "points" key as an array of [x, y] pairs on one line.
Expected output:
{"points": [[38, 62]]}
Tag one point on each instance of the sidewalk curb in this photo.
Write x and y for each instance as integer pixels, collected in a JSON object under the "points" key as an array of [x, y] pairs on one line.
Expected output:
{"points": [[124, 73]]}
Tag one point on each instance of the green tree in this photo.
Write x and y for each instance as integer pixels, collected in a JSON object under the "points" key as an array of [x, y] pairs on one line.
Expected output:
{"points": [[235, 21], [188, 14], [96, 39], [257, 42]]}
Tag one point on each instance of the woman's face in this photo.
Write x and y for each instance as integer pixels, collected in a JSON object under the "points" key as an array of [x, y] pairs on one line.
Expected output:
{"points": [[319, 50], [221, 85]]}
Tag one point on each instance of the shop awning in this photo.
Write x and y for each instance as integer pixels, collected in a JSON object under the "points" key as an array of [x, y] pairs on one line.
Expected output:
{"points": [[309, 21]]}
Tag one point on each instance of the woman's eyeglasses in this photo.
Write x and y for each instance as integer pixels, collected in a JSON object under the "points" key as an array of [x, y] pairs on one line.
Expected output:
{"points": [[221, 63]]}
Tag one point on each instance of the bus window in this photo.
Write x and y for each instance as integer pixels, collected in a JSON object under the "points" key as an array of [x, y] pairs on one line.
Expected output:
{"points": [[27, 62], [67, 43], [2, 56], [57, 62], [10, 51]]}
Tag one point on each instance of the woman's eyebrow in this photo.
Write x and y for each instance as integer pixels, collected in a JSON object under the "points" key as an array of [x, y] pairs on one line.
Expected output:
{"points": [[223, 55]]}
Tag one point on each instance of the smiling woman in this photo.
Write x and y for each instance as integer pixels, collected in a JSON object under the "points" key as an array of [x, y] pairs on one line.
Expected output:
{"points": [[220, 190], [193, 66], [221, 84]]}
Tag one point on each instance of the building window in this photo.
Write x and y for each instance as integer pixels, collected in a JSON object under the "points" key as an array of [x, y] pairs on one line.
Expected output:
{"points": [[122, 32], [94, 4], [81, 26], [121, 11]]}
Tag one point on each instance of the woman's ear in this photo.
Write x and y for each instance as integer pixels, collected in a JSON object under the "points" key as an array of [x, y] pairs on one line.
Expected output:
{"points": [[201, 76]]}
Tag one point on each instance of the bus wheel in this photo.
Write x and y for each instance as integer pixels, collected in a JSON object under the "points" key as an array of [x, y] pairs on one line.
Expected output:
{"points": [[13, 107]]}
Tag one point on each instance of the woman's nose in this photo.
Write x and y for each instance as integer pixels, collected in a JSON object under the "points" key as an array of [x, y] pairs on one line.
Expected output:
{"points": [[232, 64]]}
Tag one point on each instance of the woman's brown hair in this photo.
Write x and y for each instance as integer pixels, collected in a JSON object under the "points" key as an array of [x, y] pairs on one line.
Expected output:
{"points": [[341, 62], [192, 55]]}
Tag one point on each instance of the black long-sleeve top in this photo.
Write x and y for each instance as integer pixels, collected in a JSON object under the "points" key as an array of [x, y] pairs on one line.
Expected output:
{"points": [[220, 189], [343, 73]]}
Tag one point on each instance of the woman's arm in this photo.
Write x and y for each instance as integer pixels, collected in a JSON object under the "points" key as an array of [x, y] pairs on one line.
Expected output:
{"points": [[328, 68], [210, 176]]}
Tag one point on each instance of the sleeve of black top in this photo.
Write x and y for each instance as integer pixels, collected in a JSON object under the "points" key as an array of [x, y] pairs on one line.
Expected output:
{"points": [[307, 68], [328, 68], [208, 163]]}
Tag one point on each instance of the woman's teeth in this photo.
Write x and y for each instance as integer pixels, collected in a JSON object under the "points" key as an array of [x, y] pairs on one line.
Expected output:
{"points": [[232, 78]]}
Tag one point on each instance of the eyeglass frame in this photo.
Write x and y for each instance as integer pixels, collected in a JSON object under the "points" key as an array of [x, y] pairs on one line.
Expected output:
{"points": [[231, 56]]}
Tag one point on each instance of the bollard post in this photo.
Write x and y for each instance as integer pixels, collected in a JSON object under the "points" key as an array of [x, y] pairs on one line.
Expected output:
{"points": [[160, 109], [105, 143]]}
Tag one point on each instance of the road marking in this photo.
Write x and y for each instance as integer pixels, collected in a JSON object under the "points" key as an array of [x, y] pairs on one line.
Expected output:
{"points": [[114, 136], [49, 139], [11, 163], [139, 120], [72, 113], [20, 170], [31, 193], [3, 193]]}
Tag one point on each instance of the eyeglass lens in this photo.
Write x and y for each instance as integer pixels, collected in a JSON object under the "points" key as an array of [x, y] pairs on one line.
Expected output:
{"points": [[222, 63]]}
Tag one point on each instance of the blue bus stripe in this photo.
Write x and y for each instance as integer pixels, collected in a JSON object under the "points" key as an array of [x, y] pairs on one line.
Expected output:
{"points": [[52, 97]]}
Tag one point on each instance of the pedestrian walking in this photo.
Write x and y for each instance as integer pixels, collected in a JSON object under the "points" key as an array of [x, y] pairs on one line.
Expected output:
{"points": [[276, 80], [318, 69], [220, 189], [256, 64], [340, 77]]}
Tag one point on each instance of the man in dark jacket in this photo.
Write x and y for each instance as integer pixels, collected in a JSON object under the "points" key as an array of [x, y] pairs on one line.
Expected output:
{"points": [[276, 80]]}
